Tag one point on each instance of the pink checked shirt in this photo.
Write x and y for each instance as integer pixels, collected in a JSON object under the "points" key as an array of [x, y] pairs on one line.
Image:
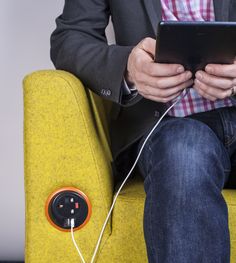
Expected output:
{"points": [[191, 10]]}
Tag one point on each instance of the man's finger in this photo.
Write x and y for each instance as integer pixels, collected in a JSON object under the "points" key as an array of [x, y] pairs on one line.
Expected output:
{"points": [[228, 71], [165, 93], [167, 82], [204, 94], [211, 91], [162, 70], [214, 81], [160, 99]]}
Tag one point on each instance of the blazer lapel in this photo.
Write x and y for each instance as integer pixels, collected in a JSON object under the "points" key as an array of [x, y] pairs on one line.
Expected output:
{"points": [[153, 8], [221, 9]]}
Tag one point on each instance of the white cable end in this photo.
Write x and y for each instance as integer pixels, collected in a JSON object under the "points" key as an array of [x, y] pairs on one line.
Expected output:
{"points": [[72, 222]]}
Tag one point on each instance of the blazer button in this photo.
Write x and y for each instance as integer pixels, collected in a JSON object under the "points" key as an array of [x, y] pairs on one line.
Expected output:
{"points": [[106, 92]]}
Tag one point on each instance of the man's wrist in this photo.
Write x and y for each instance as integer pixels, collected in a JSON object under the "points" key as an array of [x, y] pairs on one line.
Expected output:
{"points": [[128, 88]]}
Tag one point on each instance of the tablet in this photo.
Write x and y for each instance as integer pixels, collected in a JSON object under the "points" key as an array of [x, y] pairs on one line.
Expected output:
{"points": [[195, 44]]}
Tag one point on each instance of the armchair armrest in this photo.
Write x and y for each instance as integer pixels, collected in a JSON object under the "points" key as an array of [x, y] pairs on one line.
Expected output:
{"points": [[65, 144]]}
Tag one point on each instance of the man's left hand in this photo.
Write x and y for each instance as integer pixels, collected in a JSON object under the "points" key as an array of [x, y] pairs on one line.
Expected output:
{"points": [[216, 82]]}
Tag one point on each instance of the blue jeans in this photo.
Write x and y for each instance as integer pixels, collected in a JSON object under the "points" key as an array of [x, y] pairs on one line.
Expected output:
{"points": [[186, 164]]}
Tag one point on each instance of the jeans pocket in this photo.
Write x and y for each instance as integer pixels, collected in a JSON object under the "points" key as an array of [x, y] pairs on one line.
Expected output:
{"points": [[230, 135], [228, 117]]}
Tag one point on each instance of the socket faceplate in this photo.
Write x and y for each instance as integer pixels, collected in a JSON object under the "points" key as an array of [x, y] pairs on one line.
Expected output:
{"points": [[67, 203]]}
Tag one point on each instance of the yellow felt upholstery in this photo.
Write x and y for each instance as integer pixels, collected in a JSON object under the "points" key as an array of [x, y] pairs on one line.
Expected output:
{"points": [[66, 144]]}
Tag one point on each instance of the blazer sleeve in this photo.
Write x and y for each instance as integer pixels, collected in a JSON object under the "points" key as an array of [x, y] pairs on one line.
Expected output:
{"points": [[79, 46]]}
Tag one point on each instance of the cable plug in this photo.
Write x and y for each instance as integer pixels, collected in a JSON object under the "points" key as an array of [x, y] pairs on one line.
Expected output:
{"points": [[72, 222]]}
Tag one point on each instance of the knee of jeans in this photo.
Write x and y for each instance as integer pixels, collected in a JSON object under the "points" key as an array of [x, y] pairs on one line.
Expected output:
{"points": [[186, 138], [186, 150]]}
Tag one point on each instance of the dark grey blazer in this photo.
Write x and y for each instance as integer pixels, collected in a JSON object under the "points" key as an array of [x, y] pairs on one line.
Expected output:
{"points": [[79, 46]]}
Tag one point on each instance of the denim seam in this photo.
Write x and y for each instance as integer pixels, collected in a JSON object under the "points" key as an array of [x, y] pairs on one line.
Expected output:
{"points": [[228, 140], [150, 163], [150, 216], [150, 230], [145, 164]]}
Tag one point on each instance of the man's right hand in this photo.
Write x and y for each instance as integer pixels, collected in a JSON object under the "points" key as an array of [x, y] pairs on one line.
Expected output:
{"points": [[155, 81]]}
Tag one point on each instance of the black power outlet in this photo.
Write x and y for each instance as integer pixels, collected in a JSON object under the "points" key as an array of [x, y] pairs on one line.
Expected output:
{"points": [[66, 204]]}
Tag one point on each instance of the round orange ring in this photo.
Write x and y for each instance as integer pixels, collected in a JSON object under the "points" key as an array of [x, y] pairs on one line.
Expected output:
{"points": [[51, 196]]}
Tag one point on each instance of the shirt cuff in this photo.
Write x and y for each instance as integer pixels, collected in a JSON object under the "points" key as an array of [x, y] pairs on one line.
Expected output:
{"points": [[129, 94], [128, 88]]}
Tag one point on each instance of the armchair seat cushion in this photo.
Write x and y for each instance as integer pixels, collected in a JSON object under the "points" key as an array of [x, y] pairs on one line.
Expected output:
{"points": [[126, 244]]}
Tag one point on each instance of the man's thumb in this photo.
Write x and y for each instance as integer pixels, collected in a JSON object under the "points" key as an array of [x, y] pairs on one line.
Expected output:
{"points": [[149, 45]]}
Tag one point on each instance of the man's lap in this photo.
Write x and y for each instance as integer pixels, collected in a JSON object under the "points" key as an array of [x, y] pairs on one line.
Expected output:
{"points": [[212, 129]]}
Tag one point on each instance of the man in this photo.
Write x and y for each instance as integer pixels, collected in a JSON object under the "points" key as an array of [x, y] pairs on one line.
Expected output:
{"points": [[191, 155]]}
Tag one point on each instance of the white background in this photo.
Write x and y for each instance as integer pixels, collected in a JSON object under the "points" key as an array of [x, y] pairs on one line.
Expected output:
{"points": [[25, 28]]}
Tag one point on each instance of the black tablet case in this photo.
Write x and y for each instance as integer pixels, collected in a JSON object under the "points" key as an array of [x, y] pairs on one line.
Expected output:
{"points": [[195, 44]]}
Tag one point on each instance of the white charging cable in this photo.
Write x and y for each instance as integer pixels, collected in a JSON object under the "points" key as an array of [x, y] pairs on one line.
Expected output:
{"points": [[180, 97], [72, 225]]}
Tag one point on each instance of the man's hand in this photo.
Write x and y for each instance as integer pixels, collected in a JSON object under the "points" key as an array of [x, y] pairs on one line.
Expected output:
{"points": [[155, 81], [216, 82]]}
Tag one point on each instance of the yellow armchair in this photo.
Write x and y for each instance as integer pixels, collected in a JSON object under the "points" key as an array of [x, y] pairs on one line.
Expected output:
{"points": [[66, 143]]}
